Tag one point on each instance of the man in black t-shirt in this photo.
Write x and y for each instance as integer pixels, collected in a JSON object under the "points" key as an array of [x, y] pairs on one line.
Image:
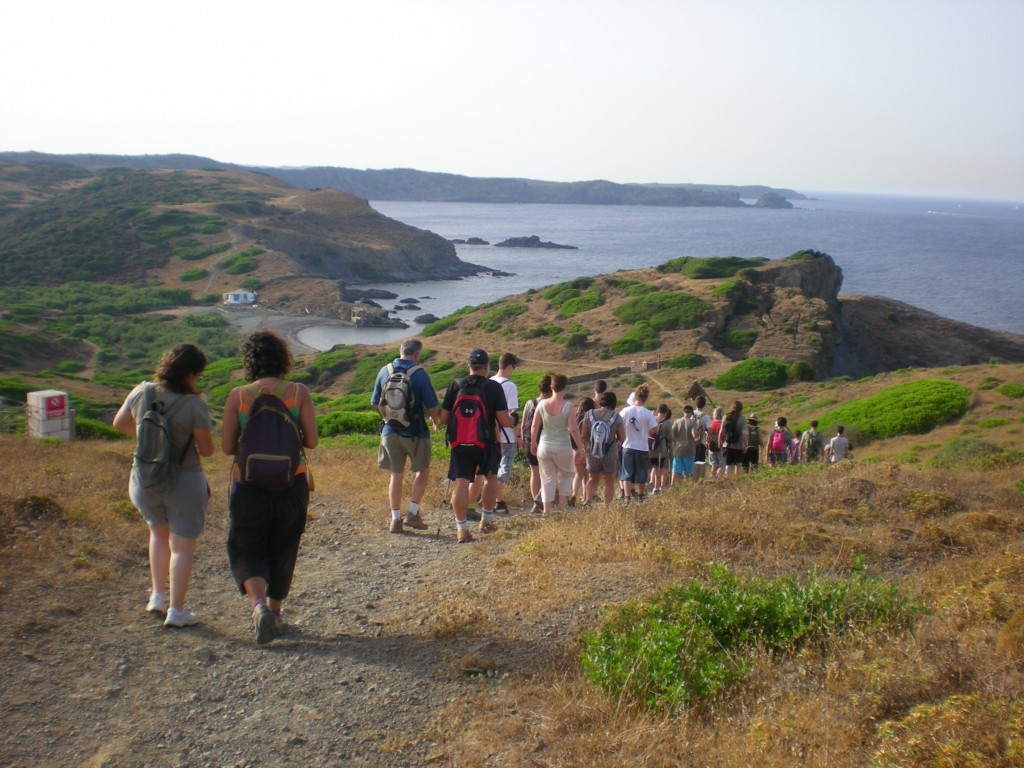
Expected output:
{"points": [[471, 425]]}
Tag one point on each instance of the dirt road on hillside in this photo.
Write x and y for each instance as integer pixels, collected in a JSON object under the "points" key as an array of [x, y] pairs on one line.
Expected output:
{"points": [[359, 679]]}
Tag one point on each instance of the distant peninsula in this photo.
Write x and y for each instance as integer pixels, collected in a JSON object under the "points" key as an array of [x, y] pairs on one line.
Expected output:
{"points": [[412, 185], [533, 241]]}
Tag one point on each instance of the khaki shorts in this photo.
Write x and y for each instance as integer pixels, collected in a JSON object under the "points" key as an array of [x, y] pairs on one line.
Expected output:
{"points": [[394, 449]]}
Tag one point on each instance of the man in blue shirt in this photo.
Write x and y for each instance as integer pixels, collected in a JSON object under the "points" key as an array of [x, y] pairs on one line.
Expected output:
{"points": [[413, 442]]}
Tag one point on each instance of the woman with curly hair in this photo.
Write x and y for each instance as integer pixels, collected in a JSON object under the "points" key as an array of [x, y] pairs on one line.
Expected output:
{"points": [[266, 525], [175, 517]]}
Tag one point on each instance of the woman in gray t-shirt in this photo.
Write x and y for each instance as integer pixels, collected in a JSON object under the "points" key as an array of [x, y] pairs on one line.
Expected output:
{"points": [[177, 517]]}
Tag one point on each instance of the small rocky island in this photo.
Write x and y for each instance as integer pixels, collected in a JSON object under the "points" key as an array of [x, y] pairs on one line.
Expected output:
{"points": [[772, 200], [470, 241], [533, 241]]}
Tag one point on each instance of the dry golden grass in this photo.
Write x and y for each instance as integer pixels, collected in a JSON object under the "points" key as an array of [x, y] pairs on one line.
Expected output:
{"points": [[819, 707]]}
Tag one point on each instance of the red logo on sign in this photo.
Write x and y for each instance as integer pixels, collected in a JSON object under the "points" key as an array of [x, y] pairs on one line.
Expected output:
{"points": [[56, 407]]}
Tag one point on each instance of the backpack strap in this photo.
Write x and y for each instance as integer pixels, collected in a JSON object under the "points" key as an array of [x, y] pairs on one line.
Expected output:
{"points": [[412, 370], [281, 388]]}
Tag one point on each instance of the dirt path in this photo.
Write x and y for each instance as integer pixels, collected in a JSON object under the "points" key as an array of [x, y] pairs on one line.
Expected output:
{"points": [[359, 679], [648, 375], [89, 370]]}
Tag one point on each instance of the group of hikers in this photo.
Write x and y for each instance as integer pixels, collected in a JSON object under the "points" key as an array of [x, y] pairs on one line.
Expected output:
{"points": [[269, 423]]}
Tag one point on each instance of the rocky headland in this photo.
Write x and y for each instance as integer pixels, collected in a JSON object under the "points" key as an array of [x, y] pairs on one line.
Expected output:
{"points": [[772, 200]]}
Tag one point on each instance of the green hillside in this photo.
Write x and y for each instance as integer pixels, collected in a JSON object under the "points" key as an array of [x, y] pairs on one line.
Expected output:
{"points": [[109, 229]]}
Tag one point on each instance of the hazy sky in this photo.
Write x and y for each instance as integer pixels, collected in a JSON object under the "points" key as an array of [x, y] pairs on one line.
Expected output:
{"points": [[907, 97]]}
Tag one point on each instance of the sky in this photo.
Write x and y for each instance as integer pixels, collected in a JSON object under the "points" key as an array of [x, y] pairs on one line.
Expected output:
{"points": [[883, 97]]}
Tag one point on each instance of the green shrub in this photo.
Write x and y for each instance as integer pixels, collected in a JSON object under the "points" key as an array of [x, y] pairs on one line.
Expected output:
{"points": [[240, 263], [251, 284], [1015, 391], [806, 255], [579, 284], [446, 322], [906, 409], [442, 379], [348, 422], [758, 374], [209, 229], [664, 311], [691, 642], [540, 330], [988, 383], [640, 338], [563, 296], [974, 452], [70, 366], [739, 338], [801, 370], [993, 423], [88, 429], [444, 365], [367, 370], [585, 302], [192, 275], [686, 361], [195, 253], [335, 361], [730, 289], [751, 275], [704, 269], [892, 317], [504, 312], [824, 403]]}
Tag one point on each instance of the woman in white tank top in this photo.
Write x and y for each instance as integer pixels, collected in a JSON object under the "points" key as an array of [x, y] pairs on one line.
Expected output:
{"points": [[553, 445]]}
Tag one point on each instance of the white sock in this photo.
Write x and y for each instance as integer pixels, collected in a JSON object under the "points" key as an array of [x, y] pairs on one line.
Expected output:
{"points": [[463, 525], [486, 515], [396, 514], [414, 507]]}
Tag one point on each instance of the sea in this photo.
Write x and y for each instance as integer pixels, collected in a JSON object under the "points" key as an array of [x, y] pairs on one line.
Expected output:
{"points": [[963, 259]]}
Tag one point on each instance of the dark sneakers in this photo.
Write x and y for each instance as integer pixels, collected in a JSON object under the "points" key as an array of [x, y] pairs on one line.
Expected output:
{"points": [[502, 507]]}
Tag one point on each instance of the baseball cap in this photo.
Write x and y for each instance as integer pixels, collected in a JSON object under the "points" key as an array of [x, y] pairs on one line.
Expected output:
{"points": [[478, 357]]}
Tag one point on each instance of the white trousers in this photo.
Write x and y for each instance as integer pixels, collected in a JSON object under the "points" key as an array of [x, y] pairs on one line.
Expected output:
{"points": [[556, 471]]}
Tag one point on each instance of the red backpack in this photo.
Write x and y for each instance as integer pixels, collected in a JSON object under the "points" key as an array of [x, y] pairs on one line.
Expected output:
{"points": [[470, 426]]}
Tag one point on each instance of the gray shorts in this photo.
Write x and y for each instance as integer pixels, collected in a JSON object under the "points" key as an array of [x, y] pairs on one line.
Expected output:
{"points": [[604, 465], [716, 459], [508, 456], [394, 449], [183, 508]]}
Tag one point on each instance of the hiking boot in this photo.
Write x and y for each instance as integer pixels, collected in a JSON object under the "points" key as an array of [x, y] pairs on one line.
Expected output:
{"points": [[396, 526], [472, 514], [538, 507], [263, 621], [180, 617], [157, 603], [487, 527], [414, 521], [502, 507], [464, 537]]}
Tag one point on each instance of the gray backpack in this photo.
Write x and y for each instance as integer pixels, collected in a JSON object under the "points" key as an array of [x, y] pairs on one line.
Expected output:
{"points": [[397, 405], [154, 469]]}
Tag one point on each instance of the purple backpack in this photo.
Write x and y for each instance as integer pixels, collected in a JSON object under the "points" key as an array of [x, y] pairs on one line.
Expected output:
{"points": [[271, 441]]}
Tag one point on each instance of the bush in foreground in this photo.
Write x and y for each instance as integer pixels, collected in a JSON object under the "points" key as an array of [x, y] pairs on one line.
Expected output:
{"points": [[693, 641], [758, 374], [801, 370], [907, 409]]}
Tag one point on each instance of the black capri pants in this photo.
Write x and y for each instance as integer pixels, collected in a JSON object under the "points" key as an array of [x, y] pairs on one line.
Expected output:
{"points": [[264, 532]]}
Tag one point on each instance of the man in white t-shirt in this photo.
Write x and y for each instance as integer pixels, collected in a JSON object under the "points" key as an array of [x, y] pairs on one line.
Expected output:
{"points": [[507, 437], [701, 452], [639, 424], [838, 447]]}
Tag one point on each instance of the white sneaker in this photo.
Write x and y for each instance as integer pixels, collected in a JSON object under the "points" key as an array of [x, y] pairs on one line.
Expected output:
{"points": [[157, 603], [180, 618]]}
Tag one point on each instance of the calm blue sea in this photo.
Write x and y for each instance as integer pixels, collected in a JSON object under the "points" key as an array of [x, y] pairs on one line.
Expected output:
{"points": [[958, 258]]}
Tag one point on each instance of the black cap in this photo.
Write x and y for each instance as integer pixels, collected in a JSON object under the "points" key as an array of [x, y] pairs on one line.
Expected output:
{"points": [[477, 358]]}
